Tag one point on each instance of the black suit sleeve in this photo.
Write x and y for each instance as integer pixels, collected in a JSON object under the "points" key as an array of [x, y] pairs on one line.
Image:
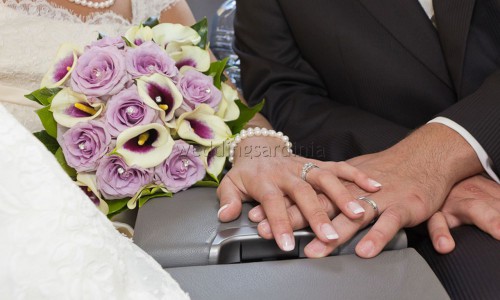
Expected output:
{"points": [[297, 102], [479, 113]]}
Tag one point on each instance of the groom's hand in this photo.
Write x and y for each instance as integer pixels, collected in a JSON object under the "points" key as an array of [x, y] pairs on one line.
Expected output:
{"points": [[417, 174], [476, 201]]}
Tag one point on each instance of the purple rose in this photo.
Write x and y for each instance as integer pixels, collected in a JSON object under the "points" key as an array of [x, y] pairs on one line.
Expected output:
{"points": [[150, 58], [116, 180], [100, 72], [181, 169], [106, 41], [126, 109], [198, 88], [84, 144]]}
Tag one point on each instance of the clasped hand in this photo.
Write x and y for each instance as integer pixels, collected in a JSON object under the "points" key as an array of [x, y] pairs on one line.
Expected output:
{"points": [[418, 185]]}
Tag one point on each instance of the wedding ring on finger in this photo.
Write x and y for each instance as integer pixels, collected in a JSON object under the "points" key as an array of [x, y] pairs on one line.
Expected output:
{"points": [[306, 168], [373, 204]]}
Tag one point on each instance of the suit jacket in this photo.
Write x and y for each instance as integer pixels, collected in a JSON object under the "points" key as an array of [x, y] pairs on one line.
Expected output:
{"points": [[355, 76]]}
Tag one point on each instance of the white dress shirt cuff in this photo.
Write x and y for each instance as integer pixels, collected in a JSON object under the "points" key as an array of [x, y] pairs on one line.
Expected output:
{"points": [[481, 154]]}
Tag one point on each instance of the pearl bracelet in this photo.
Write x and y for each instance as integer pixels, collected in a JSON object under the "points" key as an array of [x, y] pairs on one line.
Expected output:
{"points": [[251, 132]]}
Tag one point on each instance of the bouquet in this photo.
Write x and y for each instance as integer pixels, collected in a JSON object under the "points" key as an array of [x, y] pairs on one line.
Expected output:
{"points": [[140, 116]]}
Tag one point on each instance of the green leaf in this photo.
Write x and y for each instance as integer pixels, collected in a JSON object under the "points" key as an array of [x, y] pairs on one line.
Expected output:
{"points": [[202, 28], [246, 114], [151, 22], [127, 42], [206, 183], [116, 206], [43, 96], [211, 177], [62, 161], [100, 36], [49, 142], [216, 70], [48, 122], [32, 98], [145, 198], [111, 215]]}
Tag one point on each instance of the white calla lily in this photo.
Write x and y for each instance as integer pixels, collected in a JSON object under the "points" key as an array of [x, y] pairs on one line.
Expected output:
{"points": [[145, 146], [89, 181], [61, 68], [203, 127], [69, 108], [138, 35], [165, 33], [173, 47], [228, 110], [160, 92], [214, 159], [192, 56]]}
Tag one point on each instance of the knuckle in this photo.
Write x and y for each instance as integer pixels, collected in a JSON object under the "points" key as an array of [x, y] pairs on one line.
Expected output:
{"points": [[344, 196], [360, 175], [379, 234], [279, 223], [395, 217], [271, 196], [301, 188], [420, 203], [296, 218], [324, 202], [342, 165], [317, 213], [472, 188], [324, 179]]}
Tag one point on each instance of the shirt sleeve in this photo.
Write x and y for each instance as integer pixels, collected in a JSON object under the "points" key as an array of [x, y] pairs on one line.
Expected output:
{"points": [[485, 160]]}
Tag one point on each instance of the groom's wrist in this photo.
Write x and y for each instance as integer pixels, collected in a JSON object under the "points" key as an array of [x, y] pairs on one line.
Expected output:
{"points": [[440, 151]]}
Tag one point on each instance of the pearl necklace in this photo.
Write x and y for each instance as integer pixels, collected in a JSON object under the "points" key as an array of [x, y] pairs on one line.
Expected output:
{"points": [[92, 4]]}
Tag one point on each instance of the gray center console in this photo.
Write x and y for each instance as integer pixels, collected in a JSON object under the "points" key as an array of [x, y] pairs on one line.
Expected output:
{"points": [[213, 260], [184, 231]]}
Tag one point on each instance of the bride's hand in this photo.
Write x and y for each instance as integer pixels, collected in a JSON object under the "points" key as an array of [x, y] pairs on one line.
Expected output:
{"points": [[264, 171]]}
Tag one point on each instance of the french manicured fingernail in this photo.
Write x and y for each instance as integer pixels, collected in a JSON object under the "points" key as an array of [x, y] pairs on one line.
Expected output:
{"points": [[264, 226], [355, 207], [317, 248], [256, 214], [375, 183], [442, 243], [221, 209], [287, 242], [329, 231], [367, 248]]}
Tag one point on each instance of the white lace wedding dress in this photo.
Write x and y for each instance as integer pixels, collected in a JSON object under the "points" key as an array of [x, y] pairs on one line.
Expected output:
{"points": [[55, 243]]}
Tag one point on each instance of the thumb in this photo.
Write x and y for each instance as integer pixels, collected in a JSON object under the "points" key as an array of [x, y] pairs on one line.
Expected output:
{"points": [[230, 198], [440, 233]]}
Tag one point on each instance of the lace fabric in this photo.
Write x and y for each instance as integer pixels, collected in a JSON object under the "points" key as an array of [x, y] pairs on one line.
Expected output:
{"points": [[31, 32], [141, 10], [55, 243]]}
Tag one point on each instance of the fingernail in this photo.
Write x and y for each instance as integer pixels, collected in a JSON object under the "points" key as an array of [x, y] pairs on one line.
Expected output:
{"points": [[442, 243], [329, 231], [256, 214], [287, 242], [367, 248], [317, 248], [221, 209], [374, 183], [264, 226], [355, 207]]}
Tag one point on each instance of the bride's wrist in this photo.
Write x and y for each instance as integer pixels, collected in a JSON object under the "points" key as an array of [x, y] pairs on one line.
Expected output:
{"points": [[256, 142]]}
